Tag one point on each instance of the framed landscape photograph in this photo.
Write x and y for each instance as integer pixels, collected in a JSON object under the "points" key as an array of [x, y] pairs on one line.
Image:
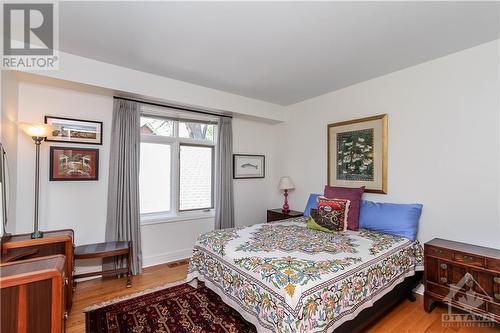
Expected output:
{"points": [[249, 166], [67, 163], [74, 130], [357, 154]]}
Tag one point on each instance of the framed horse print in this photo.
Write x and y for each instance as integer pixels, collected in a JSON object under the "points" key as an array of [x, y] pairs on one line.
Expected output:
{"points": [[70, 164]]}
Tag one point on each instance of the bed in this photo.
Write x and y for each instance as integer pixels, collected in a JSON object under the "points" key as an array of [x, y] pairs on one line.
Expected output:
{"points": [[283, 277]]}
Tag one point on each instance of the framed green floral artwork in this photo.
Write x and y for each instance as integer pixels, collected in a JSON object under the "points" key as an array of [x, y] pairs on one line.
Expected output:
{"points": [[357, 153]]}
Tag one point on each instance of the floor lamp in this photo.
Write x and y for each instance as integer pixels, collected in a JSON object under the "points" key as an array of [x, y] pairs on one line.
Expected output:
{"points": [[38, 132]]}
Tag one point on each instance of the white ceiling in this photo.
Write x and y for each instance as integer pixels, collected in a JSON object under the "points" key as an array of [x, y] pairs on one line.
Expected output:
{"points": [[281, 52]]}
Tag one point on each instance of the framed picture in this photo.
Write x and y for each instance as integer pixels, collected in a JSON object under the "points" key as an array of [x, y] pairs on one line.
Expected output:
{"points": [[357, 154], [249, 166], [67, 163], [74, 130]]}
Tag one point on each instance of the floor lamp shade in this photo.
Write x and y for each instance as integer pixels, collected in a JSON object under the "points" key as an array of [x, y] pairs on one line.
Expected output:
{"points": [[35, 130]]}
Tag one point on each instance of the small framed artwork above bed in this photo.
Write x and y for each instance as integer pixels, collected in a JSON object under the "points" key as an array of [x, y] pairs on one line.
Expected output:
{"points": [[249, 166], [357, 154]]}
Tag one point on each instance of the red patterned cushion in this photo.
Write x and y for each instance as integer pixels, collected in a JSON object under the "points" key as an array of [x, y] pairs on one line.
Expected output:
{"points": [[354, 196], [331, 213]]}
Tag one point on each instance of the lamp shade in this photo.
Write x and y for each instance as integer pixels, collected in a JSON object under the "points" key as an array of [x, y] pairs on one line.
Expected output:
{"points": [[36, 130], [286, 183]]}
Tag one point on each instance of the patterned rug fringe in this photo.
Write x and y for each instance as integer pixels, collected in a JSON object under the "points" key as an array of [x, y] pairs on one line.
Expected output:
{"points": [[137, 294]]}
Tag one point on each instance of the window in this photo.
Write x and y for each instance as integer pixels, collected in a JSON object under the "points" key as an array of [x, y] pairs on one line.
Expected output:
{"points": [[195, 177], [157, 126], [177, 166], [154, 178]]}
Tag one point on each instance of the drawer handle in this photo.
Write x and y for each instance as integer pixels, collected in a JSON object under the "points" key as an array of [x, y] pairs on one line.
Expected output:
{"points": [[438, 251], [469, 280], [468, 258], [497, 296], [444, 280], [66, 315], [66, 281], [496, 279], [444, 266]]}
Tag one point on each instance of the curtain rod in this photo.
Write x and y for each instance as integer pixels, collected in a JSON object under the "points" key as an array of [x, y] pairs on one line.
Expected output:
{"points": [[171, 107]]}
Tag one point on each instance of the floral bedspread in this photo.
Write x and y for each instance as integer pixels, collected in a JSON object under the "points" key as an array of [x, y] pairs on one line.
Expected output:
{"points": [[284, 277]]}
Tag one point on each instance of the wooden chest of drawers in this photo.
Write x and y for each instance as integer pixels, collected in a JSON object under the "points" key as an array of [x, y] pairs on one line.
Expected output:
{"points": [[465, 276], [32, 293], [53, 242]]}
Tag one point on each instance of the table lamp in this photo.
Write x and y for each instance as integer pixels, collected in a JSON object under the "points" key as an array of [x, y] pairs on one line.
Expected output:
{"points": [[38, 133], [286, 184]]}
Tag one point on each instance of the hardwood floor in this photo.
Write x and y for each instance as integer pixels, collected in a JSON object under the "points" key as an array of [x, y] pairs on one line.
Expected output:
{"points": [[406, 317]]}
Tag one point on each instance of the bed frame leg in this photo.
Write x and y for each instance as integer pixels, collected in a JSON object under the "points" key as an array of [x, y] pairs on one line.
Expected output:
{"points": [[411, 297]]}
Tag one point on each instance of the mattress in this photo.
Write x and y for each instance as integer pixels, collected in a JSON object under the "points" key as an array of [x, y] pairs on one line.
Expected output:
{"points": [[284, 277]]}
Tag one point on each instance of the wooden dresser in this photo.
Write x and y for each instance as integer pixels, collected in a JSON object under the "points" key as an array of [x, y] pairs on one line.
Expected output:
{"points": [[463, 275], [32, 293], [53, 242]]}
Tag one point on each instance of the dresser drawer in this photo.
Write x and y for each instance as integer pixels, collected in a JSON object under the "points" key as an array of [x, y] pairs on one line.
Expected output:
{"points": [[493, 264], [494, 308], [469, 259], [438, 252], [439, 290]]}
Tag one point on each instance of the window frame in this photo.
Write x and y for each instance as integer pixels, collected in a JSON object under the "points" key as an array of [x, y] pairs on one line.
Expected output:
{"points": [[175, 141]]}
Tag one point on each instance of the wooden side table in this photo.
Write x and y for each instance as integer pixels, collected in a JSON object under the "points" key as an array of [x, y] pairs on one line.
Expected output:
{"points": [[105, 250], [278, 214]]}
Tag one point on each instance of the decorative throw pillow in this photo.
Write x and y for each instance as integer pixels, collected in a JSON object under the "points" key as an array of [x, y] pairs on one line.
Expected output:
{"points": [[311, 203], [390, 218], [331, 214], [311, 224], [354, 196]]}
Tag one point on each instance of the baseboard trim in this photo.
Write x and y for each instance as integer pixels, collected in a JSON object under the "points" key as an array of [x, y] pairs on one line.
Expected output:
{"points": [[166, 257], [146, 262]]}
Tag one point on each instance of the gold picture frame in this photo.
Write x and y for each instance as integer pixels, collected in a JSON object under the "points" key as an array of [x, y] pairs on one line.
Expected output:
{"points": [[357, 153]]}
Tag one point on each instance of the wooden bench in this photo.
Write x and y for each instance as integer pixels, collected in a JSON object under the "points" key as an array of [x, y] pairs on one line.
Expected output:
{"points": [[105, 250]]}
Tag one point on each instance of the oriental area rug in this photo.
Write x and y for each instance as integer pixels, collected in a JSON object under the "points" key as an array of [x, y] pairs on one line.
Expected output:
{"points": [[178, 309]]}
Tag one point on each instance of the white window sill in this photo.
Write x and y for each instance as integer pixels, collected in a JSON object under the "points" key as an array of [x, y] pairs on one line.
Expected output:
{"points": [[150, 220]]}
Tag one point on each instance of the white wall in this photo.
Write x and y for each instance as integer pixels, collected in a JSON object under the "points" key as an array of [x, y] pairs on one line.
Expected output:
{"points": [[252, 197], [8, 128], [76, 205], [443, 141], [82, 205]]}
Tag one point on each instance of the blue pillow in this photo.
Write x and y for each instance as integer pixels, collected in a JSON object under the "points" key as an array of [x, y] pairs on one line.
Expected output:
{"points": [[311, 203], [389, 218]]}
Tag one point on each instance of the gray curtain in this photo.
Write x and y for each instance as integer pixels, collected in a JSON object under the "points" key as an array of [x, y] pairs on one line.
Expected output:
{"points": [[224, 202], [123, 218]]}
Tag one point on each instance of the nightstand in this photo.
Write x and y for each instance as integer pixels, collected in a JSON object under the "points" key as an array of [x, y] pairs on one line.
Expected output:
{"points": [[278, 214]]}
